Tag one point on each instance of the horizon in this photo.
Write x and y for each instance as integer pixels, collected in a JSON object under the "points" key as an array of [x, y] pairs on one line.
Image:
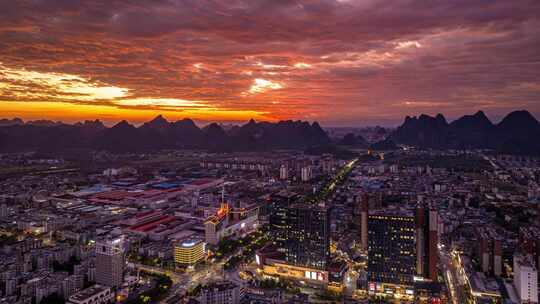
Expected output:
{"points": [[495, 119], [339, 62]]}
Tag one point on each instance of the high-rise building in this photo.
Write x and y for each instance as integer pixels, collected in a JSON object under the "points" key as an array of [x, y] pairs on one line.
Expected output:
{"points": [[364, 214], [306, 173], [426, 233], [283, 172], [525, 279], [308, 237], [391, 250], [277, 215], [110, 262], [489, 251]]}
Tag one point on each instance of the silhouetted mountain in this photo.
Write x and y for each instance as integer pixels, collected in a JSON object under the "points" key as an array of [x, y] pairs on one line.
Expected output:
{"points": [[517, 122], [121, 137], [186, 134], [517, 133], [215, 138], [353, 140], [424, 131], [471, 131], [11, 122], [282, 135], [159, 134], [158, 123], [384, 145], [44, 123], [91, 124]]}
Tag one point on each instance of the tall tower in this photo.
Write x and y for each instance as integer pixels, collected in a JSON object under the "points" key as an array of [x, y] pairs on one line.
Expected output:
{"points": [[277, 217], [283, 172], [364, 214], [432, 246], [420, 240], [308, 238], [427, 235], [110, 262]]}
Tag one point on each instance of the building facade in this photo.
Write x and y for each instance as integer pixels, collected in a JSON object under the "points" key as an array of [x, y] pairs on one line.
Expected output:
{"points": [[110, 260], [93, 295], [308, 238], [225, 292], [189, 252], [391, 251]]}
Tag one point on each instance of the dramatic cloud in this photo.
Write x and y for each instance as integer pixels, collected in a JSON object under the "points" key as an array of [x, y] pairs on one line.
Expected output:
{"points": [[342, 62]]}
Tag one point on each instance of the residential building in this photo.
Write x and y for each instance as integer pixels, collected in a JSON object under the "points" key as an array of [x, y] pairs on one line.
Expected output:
{"points": [[525, 279]]}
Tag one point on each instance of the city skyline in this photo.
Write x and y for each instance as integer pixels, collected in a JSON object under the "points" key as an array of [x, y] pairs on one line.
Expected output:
{"points": [[267, 60]]}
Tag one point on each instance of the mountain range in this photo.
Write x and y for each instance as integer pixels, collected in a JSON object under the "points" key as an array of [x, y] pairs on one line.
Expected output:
{"points": [[517, 133], [15, 136]]}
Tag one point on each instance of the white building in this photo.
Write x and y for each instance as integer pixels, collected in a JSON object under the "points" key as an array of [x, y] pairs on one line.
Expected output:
{"points": [[306, 173], [110, 262], [283, 172], [525, 279]]}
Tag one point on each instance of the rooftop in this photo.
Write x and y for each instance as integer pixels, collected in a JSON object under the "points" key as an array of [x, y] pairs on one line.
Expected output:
{"points": [[88, 293]]}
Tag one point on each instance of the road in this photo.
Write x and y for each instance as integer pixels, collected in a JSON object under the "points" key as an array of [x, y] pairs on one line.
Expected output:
{"points": [[455, 278], [182, 282]]}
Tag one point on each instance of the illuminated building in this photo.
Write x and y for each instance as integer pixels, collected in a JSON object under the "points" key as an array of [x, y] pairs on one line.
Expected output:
{"points": [[189, 252], [391, 253], [308, 237], [301, 235], [403, 251], [110, 262], [229, 222], [336, 275], [287, 271], [277, 216], [272, 263]]}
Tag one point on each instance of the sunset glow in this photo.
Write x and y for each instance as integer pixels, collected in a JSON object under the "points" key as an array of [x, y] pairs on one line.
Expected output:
{"points": [[200, 59]]}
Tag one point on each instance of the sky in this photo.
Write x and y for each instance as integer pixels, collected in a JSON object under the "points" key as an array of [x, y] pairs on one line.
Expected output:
{"points": [[339, 62]]}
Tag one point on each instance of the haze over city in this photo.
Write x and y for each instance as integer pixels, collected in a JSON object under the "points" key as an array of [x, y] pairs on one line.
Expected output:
{"points": [[339, 62]]}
